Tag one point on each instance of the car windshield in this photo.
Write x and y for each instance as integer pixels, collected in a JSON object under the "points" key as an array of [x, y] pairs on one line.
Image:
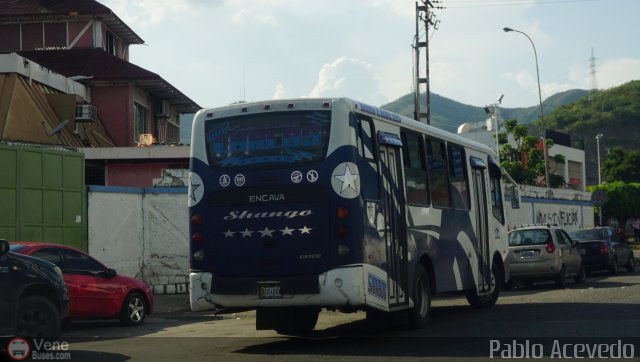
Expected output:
{"points": [[529, 237], [587, 234], [16, 248]]}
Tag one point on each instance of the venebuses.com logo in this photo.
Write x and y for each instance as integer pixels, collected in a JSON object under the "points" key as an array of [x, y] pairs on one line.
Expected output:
{"points": [[20, 349], [559, 349]]}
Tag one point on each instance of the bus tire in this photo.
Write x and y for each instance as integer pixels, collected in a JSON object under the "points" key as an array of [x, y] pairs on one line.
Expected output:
{"points": [[419, 314], [489, 300]]}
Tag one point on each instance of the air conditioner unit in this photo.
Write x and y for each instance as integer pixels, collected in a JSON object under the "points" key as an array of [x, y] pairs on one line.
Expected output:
{"points": [[86, 112], [146, 139], [162, 109]]}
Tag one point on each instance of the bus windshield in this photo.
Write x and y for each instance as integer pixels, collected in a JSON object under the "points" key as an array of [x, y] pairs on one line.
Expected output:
{"points": [[267, 139]]}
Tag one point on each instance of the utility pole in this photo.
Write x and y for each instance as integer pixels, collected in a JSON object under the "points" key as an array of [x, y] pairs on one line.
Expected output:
{"points": [[425, 18]]}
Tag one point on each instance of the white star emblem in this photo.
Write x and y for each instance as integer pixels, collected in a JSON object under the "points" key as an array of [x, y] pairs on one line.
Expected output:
{"points": [[266, 232], [348, 180], [305, 230], [287, 231], [228, 234], [246, 232]]}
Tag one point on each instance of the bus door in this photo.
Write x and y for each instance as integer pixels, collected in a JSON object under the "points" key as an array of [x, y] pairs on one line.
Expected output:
{"points": [[483, 272], [394, 217]]}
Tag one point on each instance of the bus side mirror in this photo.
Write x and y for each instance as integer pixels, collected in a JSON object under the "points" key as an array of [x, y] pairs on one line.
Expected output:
{"points": [[515, 197], [4, 247]]}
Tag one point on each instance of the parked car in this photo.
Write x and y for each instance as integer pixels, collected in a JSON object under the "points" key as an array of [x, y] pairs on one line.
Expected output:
{"points": [[544, 253], [95, 291], [33, 296], [602, 248]]}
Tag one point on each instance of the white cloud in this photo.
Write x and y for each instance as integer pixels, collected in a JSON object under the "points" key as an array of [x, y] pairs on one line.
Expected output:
{"points": [[144, 13], [348, 77], [614, 72], [281, 92]]}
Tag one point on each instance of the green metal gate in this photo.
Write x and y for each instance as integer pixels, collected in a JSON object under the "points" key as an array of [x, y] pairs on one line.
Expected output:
{"points": [[42, 195]]}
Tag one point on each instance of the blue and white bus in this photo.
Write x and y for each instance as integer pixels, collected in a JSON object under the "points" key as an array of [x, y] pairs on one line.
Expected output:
{"points": [[298, 205]]}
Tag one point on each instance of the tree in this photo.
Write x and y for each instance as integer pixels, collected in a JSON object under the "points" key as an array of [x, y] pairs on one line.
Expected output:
{"points": [[623, 199], [621, 165], [525, 163]]}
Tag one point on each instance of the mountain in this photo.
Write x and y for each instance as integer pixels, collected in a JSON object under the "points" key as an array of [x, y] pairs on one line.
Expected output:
{"points": [[614, 113], [448, 114]]}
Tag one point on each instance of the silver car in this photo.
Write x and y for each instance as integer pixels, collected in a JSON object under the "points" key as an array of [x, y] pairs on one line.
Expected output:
{"points": [[544, 252]]}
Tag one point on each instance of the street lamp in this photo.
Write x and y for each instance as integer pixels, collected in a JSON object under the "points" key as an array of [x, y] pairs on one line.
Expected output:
{"points": [[598, 137], [544, 137]]}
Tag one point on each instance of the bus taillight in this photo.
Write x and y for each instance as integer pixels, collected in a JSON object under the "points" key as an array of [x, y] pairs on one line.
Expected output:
{"points": [[196, 219], [343, 250], [342, 212], [342, 231], [197, 237], [199, 255]]}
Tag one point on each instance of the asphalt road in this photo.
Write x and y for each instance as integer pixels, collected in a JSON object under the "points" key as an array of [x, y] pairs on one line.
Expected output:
{"points": [[603, 313]]}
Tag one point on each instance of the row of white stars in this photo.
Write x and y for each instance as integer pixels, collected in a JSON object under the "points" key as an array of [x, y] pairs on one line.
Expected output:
{"points": [[266, 232]]}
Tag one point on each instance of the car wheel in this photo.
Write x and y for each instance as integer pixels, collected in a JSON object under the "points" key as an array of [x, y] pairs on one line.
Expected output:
{"points": [[37, 317], [488, 300], [561, 279], [581, 276], [134, 310], [631, 265], [419, 314], [613, 268]]}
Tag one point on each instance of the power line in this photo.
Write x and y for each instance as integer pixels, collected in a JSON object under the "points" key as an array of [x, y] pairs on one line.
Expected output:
{"points": [[505, 3]]}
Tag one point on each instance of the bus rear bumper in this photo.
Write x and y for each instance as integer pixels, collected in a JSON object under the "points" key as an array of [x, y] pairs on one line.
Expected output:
{"points": [[339, 287]]}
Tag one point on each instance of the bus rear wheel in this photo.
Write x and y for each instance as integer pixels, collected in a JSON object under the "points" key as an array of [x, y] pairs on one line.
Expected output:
{"points": [[490, 299], [419, 314]]}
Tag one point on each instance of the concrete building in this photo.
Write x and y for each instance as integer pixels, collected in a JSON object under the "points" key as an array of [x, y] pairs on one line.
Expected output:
{"points": [[573, 169], [66, 80]]}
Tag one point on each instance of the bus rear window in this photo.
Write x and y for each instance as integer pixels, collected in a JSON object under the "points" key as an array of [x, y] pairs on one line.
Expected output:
{"points": [[268, 139]]}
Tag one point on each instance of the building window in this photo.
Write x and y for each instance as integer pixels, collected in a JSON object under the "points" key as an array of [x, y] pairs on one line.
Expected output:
{"points": [[111, 43], [141, 122]]}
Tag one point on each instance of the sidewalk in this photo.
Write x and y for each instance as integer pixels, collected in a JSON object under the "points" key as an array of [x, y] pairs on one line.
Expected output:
{"points": [[170, 303]]}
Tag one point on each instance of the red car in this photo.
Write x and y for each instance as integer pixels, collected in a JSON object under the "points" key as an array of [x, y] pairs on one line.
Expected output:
{"points": [[95, 291]]}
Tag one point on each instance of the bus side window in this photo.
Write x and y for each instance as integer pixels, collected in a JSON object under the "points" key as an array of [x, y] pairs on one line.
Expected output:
{"points": [[415, 170], [459, 178], [437, 168], [366, 152], [365, 139], [497, 207]]}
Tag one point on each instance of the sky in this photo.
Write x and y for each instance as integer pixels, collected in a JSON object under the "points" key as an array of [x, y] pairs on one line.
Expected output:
{"points": [[218, 52]]}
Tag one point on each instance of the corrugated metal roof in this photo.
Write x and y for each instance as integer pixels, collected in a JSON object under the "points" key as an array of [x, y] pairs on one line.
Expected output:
{"points": [[101, 66], [27, 116], [22, 10]]}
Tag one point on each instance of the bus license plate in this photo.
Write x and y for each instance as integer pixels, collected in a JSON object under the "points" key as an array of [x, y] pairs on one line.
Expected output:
{"points": [[269, 291]]}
